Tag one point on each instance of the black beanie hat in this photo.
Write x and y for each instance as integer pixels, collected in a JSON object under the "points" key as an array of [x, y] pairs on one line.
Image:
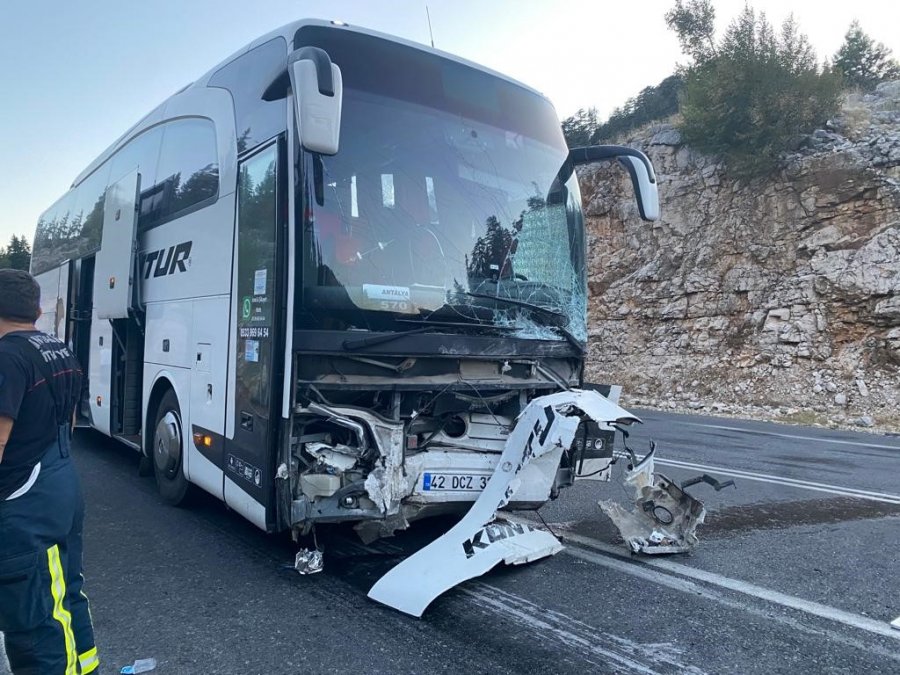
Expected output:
{"points": [[20, 296]]}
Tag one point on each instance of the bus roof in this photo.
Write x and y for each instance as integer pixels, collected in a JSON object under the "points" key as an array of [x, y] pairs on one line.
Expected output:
{"points": [[287, 32]]}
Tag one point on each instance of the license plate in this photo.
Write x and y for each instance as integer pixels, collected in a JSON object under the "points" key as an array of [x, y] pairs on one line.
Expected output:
{"points": [[454, 482]]}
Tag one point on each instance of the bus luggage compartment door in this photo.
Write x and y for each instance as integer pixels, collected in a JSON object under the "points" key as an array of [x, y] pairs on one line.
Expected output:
{"points": [[113, 277]]}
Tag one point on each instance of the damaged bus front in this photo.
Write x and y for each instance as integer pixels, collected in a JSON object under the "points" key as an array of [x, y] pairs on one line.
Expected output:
{"points": [[439, 296]]}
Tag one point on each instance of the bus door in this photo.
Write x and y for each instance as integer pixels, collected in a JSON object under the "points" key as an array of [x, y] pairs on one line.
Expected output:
{"points": [[80, 314], [113, 281], [249, 456], [54, 301], [112, 379]]}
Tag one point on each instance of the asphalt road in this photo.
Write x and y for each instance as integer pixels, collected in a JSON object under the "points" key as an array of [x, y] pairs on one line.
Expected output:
{"points": [[797, 572]]}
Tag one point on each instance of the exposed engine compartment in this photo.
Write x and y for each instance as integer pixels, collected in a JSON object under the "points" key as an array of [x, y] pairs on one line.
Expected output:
{"points": [[385, 450]]}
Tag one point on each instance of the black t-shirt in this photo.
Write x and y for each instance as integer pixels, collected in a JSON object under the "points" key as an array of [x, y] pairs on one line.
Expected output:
{"points": [[27, 398]]}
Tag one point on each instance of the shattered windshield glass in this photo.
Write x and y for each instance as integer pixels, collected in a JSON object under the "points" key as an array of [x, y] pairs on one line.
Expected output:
{"points": [[427, 213]]}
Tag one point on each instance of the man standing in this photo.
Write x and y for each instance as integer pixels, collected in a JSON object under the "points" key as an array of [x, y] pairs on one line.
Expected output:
{"points": [[44, 614]]}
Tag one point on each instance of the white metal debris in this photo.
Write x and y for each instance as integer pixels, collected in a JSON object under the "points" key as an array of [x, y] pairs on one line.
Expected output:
{"points": [[666, 517], [386, 485], [338, 457], [309, 561], [479, 542]]}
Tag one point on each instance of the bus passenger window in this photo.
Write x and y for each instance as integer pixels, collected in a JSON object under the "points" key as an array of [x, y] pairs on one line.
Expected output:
{"points": [[53, 226], [188, 171], [141, 153], [86, 218]]}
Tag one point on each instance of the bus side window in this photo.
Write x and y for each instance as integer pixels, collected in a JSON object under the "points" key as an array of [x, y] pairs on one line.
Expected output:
{"points": [[142, 153], [52, 226], [257, 119], [86, 217], [188, 171]]}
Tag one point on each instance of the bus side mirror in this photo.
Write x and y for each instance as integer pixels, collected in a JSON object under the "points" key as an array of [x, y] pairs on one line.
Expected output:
{"points": [[639, 168], [318, 92]]}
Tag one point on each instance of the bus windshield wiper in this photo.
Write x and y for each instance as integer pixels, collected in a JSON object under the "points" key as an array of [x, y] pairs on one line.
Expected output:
{"points": [[455, 324], [546, 311], [538, 310], [372, 340], [425, 324]]}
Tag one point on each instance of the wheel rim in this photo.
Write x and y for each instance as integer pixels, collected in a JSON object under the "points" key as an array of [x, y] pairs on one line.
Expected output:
{"points": [[168, 444]]}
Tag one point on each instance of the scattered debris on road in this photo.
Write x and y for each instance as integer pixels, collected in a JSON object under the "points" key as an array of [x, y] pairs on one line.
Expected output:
{"points": [[139, 666], [309, 561], [666, 517]]}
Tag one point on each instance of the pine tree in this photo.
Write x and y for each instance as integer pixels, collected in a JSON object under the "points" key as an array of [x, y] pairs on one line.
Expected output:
{"points": [[581, 127], [863, 62], [694, 24], [758, 91], [652, 103], [17, 255]]}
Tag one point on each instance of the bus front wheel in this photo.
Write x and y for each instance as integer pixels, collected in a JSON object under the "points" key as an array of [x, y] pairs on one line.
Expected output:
{"points": [[168, 451]]}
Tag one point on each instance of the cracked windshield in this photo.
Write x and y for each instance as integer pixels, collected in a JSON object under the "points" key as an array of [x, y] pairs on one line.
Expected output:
{"points": [[432, 215]]}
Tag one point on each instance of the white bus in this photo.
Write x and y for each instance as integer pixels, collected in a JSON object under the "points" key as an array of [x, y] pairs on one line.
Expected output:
{"points": [[324, 280]]}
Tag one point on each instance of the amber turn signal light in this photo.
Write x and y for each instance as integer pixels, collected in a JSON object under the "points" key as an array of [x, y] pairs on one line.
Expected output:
{"points": [[203, 440]]}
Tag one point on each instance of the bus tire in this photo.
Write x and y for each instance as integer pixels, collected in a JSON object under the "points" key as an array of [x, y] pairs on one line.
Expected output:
{"points": [[168, 450]]}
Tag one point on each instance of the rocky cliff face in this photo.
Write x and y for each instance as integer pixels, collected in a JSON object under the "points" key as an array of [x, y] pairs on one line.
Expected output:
{"points": [[780, 293]]}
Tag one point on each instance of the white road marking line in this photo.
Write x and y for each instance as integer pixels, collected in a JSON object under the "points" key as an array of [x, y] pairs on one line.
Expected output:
{"points": [[797, 436], [896, 623], [570, 639], [777, 480], [659, 652], [576, 634], [783, 480], [765, 615], [744, 587]]}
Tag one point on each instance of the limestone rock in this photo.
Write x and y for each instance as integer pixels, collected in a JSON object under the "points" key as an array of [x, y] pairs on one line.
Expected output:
{"points": [[776, 289], [864, 421], [666, 136]]}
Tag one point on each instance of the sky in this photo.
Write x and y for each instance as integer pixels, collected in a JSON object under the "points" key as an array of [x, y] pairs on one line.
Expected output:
{"points": [[75, 75]]}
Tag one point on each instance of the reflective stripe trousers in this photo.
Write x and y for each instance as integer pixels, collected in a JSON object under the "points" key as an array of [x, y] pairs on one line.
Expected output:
{"points": [[44, 614]]}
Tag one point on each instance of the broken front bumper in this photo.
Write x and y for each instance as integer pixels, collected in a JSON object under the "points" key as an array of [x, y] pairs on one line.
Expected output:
{"points": [[480, 541], [665, 519]]}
